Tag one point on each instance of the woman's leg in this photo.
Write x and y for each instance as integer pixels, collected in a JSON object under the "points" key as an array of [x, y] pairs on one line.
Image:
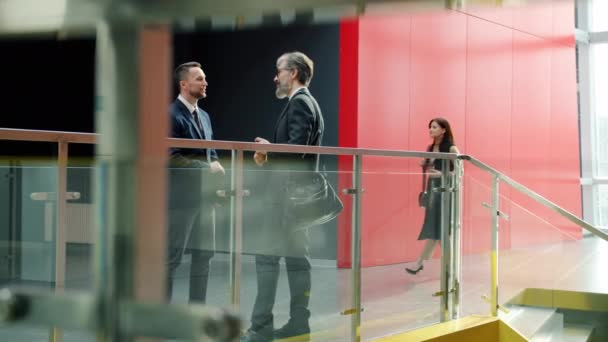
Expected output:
{"points": [[427, 252]]}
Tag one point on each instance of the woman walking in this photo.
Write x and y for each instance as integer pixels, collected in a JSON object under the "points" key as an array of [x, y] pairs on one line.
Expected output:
{"points": [[443, 141]]}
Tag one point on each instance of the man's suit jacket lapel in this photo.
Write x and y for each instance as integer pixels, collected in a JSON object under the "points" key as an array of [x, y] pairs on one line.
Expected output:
{"points": [[204, 120], [190, 119], [276, 125], [284, 112]]}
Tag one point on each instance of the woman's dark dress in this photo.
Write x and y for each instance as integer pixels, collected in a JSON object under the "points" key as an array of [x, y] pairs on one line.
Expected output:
{"points": [[431, 228]]}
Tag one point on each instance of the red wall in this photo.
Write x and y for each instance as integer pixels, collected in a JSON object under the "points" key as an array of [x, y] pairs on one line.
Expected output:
{"points": [[506, 81]]}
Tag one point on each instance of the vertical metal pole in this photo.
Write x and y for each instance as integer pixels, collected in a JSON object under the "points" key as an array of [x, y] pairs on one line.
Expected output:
{"points": [[133, 64], [356, 250], [13, 243], [62, 181], [494, 253], [456, 238], [56, 334], [444, 310], [154, 55], [116, 116], [236, 227]]}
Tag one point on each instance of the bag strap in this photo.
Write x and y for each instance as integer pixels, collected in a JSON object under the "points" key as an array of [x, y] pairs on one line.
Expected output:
{"points": [[316, 125]]}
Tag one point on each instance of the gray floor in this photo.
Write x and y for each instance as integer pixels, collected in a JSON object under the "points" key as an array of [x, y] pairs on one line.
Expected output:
{"points": [[393, 301]]}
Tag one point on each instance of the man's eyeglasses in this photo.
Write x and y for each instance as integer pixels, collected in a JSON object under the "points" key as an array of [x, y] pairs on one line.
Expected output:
{"points": [[281, 69]]}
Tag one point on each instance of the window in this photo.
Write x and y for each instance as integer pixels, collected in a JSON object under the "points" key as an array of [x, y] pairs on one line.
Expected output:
{"points": [[599, 79], [599, 89], [599, 15]]}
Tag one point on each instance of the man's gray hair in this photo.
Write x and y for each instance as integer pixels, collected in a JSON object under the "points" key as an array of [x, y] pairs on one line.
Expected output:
{"points": [[301, 63]]}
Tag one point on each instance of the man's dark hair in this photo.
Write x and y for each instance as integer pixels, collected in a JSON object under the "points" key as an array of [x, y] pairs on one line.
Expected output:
{"points": [[182, 71], [301, 63]]}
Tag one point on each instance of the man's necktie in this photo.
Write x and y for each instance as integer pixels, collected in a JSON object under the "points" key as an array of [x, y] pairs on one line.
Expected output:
{"points": [[203, 133], [198, 123]]}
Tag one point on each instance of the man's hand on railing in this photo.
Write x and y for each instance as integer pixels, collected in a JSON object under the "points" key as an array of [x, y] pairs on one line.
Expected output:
{"points": [[216, 167], [260, 157]]}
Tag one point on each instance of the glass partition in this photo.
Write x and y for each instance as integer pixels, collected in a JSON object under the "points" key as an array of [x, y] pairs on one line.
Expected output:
{"points": [[28, 334], [398, 235], [476, 235], [295, 275], [29, 200], [198, 232], [30, 244], [269, 256], [545, 251]]}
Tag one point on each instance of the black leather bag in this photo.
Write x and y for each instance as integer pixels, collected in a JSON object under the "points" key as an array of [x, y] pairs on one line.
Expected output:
{"points": [[313, 202], [423, 196], [311, 198]]}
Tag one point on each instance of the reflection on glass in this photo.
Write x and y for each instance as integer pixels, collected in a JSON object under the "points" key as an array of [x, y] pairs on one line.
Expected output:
{"points": [[28, 198], [290, 280], [476, 243], [394, 236], [30, 334], [197, 226], [546, 252]]}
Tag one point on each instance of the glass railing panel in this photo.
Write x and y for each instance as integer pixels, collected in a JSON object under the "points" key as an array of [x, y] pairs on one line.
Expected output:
{"points": [[395, 233], [28, 192], [81, 228], [540, 254], [198, 232], [294, 272], [476, 237], [21, 333], [29, 196]]}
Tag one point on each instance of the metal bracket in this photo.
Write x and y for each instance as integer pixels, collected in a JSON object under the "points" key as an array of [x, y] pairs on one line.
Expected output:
{"points": [[499, 213], [231, 193], [352, 191], [50, 196], [350, 311], [500, 307], [441, 293]]}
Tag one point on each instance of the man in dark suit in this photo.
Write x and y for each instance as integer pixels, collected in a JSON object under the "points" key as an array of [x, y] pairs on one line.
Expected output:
{"points": [[193, 175], [300, 123]]}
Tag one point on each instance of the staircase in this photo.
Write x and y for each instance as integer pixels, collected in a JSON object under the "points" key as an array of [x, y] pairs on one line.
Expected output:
{"points": [[537, 315], [539, 324], [566, 317]]}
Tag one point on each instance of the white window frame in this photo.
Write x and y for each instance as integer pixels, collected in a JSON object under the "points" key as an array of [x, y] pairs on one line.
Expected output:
{"points": [[590, 179]]}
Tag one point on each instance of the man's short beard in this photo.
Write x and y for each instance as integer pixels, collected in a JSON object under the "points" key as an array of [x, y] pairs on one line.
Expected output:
{"points": [[282, 92], [280, 95], [197, 95]]}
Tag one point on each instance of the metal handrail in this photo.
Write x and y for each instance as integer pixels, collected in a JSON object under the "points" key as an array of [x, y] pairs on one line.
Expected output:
{"points": [[47, 136], [91, 138], [344, 151], [535, 196]]}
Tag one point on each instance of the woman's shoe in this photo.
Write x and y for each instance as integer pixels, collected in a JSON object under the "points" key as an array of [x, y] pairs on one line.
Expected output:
{"points": [[411, 271]]}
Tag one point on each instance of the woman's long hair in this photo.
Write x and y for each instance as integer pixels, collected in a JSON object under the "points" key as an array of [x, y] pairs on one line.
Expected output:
{"points": [[446, 142], [448, 136]]}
